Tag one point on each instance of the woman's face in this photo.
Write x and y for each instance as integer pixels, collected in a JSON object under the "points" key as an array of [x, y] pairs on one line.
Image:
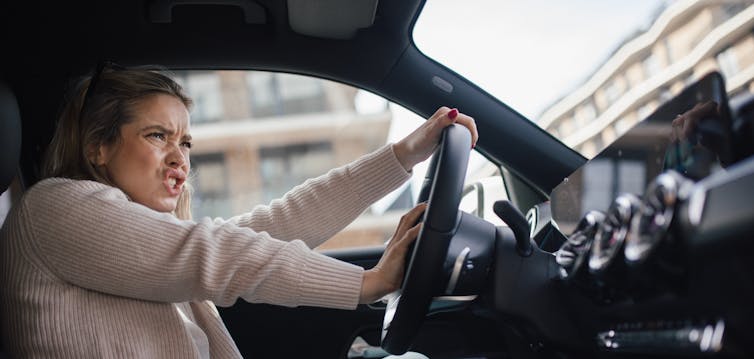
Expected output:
{"points": [[150, 161]]}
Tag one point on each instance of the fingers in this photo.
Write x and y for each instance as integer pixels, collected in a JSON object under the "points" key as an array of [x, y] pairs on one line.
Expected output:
{"points": [[423, 141], [411, 234], [442, 111], [445, 116], [470, 124], [407, 222], [410, 218], [689, 119], [703, 109], [415, 212], [386, 276], [397, 250]]}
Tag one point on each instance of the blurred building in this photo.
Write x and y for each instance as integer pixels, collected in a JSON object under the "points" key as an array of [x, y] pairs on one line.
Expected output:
{"points": [[687, 40], [258, 134]]}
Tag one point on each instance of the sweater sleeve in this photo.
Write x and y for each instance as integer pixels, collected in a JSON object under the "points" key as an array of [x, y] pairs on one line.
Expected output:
{"points": [[92, 236], [321, 207]]}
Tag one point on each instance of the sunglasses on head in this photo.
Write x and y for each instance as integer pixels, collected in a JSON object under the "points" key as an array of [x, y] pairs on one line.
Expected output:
{"points": [[94, 81]]}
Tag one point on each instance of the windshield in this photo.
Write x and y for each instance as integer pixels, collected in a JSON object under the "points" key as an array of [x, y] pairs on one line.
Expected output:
{"points": [[587, 71]]}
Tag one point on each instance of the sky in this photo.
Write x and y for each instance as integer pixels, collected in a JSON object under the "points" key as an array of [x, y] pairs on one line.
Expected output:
{"points": [[528, 53]]}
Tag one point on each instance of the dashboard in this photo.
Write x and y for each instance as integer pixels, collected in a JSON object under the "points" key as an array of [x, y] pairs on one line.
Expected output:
{"points": [[656, 256]]}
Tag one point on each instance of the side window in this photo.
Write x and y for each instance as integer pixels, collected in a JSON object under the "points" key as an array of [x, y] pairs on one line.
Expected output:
{"points": [[484, 185], [275, 94], [262, 133], [283, 167], [205, 90], [211, 190]]}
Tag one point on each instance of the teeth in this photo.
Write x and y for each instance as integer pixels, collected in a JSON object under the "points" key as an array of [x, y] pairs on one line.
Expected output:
{"points": [[172, 182]]}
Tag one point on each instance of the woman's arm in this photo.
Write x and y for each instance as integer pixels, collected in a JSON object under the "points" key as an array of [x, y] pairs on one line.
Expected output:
{"points": [[321, 207], [90, 235]]}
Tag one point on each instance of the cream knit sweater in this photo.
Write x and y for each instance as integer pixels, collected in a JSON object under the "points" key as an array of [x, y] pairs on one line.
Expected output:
{"points": [[87, 273]]}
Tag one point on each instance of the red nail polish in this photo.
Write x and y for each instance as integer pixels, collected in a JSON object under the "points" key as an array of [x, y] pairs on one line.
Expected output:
{"points": [[453, 114]]}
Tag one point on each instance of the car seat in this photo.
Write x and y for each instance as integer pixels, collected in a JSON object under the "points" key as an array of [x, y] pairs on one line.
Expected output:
{"points": [[10, 136], [10, 146]]}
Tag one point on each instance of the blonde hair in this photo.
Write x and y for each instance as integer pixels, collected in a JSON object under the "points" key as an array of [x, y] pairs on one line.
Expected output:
{"points": [[114, 96]]}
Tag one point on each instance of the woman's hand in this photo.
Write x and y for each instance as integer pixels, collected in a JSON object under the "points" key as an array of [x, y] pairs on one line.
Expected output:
{"points": [[421, 143], [387, 275], [684, 126]]}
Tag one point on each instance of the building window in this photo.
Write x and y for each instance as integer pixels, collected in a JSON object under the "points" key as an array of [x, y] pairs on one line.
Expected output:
{"points": [[284, 167], [622, 125], [598, 143], [597, 190], [586, 113], [608, 135], [276, 94], [651, 65], [565, 127], [211, 186], [732, 9], [728, 62], [588, 149], [204, 89], [612, 92], [689, 79], [606, 178], [668, 51], [644, 111], [631, 176], [665, 94]]}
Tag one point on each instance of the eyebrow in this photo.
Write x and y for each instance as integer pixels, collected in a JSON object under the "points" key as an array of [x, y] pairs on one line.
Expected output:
{"points": [[160, 128]]}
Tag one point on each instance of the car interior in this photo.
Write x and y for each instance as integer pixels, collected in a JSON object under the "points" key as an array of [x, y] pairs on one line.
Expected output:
{"points": [[668, 272]]}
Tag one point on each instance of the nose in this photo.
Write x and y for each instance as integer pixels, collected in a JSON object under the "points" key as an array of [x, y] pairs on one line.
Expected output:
{"points": [[176, 158]]}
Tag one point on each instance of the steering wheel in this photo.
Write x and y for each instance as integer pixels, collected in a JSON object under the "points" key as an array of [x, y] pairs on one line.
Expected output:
{"points": [[442, 189]]}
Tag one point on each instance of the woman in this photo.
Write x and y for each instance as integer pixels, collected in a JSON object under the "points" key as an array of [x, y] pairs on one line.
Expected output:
{"points": [[102, 259]]}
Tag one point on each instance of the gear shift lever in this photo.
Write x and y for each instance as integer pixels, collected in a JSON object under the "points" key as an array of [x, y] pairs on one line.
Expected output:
{"points": [[517, 222]]}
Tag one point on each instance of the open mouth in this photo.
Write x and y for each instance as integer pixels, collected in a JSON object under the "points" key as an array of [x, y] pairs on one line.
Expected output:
{"points": [[174, 181]]}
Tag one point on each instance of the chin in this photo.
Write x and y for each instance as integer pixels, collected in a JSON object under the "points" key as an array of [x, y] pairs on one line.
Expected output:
{"points": [[164, 207]]}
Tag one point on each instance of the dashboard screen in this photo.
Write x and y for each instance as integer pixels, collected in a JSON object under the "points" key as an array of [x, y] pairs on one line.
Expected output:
{"points": [[690, 133]]}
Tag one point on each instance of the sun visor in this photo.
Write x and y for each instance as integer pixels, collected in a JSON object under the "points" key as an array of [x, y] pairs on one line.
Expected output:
{"points": [[331, 19]]}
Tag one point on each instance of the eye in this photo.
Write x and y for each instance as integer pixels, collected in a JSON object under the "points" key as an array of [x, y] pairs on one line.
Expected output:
{"points": [[187, 144], [158, 135]]}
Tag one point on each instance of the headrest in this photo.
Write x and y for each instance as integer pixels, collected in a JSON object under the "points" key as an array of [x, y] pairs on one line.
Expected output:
{"points": [[10, 136]]}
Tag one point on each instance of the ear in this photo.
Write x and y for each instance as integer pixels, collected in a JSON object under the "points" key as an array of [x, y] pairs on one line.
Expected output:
{"points": [[98, 154]]}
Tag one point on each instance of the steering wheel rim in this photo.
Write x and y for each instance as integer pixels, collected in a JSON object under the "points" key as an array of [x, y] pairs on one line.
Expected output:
{"points": [[407, 308]]}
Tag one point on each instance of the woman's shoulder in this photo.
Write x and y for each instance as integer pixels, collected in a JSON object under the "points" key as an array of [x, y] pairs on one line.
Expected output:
{"points": [[66, 189]]}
